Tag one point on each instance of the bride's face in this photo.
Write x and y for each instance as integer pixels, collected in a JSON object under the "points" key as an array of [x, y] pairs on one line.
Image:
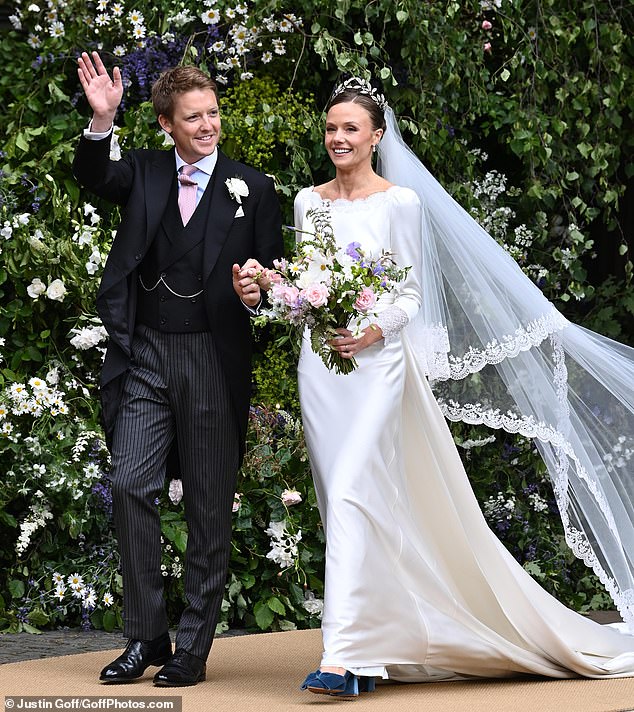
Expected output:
{"points": [[349, 135]]}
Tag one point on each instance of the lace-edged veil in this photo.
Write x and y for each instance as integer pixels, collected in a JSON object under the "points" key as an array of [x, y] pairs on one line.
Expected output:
{"points": [[498, 353]]}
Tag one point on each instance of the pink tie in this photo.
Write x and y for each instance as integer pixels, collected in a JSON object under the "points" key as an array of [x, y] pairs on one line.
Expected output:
{"points": [[187, 192]]}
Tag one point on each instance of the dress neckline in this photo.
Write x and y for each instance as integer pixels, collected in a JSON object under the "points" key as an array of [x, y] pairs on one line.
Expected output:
{"points": [[330, 201]]}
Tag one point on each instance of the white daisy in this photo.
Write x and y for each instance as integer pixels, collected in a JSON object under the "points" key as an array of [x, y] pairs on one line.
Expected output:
{"points": [[210, 17], [56, 29], [75, 581]]}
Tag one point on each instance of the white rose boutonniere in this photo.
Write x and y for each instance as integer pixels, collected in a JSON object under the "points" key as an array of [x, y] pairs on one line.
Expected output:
{"points": [[237, 188]]}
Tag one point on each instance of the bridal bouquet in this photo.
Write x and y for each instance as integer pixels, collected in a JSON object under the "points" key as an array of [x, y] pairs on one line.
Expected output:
{"points": [[325, 287]]}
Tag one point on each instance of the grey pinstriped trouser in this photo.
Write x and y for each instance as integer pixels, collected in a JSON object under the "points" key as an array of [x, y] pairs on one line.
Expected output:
{"points": [[174, 388]]}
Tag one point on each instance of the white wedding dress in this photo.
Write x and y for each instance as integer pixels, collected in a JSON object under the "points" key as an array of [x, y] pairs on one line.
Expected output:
{"points": [[417, 586]]}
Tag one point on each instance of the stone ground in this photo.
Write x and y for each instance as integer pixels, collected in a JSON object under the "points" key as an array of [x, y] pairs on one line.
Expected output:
{"points": [[71, 641], [15, 647]]}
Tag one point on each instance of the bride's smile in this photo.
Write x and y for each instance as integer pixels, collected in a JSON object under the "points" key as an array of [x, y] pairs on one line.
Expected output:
{"points": [[349, 137]]}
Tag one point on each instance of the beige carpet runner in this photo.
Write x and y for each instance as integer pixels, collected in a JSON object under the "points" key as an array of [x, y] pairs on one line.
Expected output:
{"points": [[262, 673]]}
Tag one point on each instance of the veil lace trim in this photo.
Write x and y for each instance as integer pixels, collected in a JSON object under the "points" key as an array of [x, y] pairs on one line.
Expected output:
{"points": [[509, 346]]}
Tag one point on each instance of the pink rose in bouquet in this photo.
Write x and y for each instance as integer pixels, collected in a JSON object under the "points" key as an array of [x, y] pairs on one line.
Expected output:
{"points": [[317, 294], [366, 299], [287, 294]]}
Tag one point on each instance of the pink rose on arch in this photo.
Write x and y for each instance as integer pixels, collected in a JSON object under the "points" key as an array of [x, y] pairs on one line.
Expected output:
{"points": [[291, 497], [486, 25], [366, 299], [487, 47], [316, 295], [288, 295]]}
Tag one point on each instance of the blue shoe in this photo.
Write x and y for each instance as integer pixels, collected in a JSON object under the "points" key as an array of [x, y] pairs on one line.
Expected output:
{"points": [[345, 687], [310, 678], [329, 683]]}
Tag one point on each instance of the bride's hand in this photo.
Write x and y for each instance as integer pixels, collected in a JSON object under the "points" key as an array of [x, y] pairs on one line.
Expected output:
{"points": [[349, 347], [262, 275]]}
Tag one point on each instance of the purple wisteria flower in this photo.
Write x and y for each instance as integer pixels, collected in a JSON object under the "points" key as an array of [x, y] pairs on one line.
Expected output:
{"points": [[143, 66], [102, 492]]}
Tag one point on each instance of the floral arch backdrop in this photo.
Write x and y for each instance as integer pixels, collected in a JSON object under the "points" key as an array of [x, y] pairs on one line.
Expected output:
{"points": [[520, 107]]}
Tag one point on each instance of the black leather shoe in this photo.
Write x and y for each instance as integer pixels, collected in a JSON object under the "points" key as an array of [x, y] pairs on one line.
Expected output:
{"points": [[138, 655], [183, 670]]}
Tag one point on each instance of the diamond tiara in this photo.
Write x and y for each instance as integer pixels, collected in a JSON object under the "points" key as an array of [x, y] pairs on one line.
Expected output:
{"points": [[362, 86]]}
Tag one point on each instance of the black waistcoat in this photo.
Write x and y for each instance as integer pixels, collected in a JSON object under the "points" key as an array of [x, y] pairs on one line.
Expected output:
{"points": [[170, 290]]}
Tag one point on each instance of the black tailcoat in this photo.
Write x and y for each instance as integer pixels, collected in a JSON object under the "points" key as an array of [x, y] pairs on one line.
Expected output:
{"points": [[140, 183]]}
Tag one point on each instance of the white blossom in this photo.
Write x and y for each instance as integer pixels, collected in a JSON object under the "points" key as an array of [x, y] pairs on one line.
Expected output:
{"points": [[470, 444], [56, 290], [538, 503], [313, 605], [40, 513], [36, 288], [88, 336], [284, 549], [290, 497], [210, 16], [56, 29]]}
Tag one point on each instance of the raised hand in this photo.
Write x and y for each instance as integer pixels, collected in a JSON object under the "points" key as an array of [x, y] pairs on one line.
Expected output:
{"points": [[103, 93]]}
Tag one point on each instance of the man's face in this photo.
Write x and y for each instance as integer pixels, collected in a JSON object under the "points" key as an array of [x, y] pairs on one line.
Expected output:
{"points": [[195, 126]]}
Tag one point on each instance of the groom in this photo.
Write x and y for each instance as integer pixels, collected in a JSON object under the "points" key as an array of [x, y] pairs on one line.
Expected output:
{"points": [[176, 377]]}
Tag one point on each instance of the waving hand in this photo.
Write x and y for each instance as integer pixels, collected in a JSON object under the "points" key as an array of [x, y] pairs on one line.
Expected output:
{"points": [[103, 93]]}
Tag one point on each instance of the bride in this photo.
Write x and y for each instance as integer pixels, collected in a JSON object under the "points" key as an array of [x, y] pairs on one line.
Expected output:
{"points": [[417, 586]]}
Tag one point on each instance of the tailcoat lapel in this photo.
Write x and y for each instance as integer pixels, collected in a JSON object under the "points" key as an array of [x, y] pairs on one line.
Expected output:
{"points": [[221, 215], [159, 177]]}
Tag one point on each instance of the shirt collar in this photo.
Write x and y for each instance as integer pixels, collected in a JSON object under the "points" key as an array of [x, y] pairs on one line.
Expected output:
{"points": [[205, 164]]}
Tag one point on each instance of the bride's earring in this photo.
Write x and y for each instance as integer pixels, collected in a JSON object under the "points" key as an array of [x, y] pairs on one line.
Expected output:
{"points": [[374, 148]]}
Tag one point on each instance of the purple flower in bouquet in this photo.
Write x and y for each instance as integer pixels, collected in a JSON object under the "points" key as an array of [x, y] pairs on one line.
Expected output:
{"points": [[352, 250]]}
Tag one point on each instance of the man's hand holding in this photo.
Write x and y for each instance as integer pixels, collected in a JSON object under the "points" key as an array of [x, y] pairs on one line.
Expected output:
{"points": [[245, 284], [103, 93]]}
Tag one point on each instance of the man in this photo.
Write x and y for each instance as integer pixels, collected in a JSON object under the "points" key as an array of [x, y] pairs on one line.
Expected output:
{"points": [[176, 377]]}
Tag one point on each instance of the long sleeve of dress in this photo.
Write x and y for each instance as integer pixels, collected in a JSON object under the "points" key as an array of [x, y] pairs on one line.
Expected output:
{"points": [[405, 241]]}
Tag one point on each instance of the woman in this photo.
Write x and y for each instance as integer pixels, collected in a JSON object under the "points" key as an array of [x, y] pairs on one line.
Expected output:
{"points": [[417, 586]]}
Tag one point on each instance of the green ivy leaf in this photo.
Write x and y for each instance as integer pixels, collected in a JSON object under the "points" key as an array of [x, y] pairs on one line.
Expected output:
{"points": [[264, 616], [16, 588], [38, 618], [276, 605]]}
